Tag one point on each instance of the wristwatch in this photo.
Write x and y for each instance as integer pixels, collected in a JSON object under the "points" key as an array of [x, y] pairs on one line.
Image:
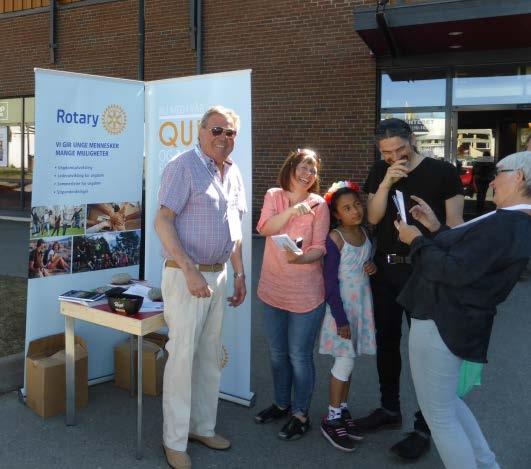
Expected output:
{"points": [[239, 274]]}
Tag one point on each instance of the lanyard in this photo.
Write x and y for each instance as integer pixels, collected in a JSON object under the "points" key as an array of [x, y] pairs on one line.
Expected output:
{"points": [[217, 182]]}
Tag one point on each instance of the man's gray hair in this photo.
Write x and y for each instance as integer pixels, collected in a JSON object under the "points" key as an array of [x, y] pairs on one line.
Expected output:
{"points": [[223, 111], [519, 161]]}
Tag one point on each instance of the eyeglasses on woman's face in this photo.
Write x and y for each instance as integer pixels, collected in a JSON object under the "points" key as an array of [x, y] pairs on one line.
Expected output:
{"points": [[501, 170], [304, 168]]}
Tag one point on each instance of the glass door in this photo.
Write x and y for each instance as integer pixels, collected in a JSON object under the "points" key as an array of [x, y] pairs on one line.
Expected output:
{"points": [[17, 144], [481, 136]]}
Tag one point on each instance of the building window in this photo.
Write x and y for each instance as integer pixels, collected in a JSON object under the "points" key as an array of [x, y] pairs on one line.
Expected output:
{"points": [[17, 150], [510, 84], [413, 89]]}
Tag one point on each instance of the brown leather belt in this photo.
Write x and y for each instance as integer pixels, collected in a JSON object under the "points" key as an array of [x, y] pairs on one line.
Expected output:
{"points": [[200, 267]]}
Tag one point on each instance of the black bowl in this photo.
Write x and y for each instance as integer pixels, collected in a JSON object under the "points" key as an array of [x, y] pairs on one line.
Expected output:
{"points": [[125, 303]]}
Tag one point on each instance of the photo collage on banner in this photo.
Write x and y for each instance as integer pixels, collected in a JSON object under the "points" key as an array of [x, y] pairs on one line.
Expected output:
{"points": [[71, 239]]}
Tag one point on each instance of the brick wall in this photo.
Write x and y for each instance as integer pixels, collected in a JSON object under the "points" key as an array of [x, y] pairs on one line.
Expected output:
{"points": [[97, 39], [313, 79], [313, 82]]}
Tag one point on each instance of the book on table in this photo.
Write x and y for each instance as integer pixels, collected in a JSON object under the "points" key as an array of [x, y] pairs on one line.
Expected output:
{"points": [[82, 296]]}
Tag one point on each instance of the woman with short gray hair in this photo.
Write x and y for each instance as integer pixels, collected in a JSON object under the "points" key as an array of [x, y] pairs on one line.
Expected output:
{"points": [[460, 275]]}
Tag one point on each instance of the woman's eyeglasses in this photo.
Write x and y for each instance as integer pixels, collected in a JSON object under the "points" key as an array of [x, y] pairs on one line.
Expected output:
{"points": [[306, 170], [501, 170], [217, 131]]}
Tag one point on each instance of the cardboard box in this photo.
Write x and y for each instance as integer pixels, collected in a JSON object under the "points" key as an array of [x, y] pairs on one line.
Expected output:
{"points": [[153, 360], [46, 375]]}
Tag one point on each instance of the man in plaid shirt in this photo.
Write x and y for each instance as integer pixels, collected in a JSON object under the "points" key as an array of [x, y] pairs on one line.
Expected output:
{"points": [[201, 202]]}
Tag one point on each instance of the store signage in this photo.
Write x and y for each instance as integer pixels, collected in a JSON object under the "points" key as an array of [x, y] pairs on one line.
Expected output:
{"points": [[417, 126], [4, 110]]}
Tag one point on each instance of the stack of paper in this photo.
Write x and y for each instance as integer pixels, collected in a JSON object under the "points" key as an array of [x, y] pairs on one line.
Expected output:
{"points": [[147, 304]]}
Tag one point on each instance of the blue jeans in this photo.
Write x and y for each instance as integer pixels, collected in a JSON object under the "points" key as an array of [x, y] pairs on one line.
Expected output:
{"points": [[454, 429], [291, 338]]}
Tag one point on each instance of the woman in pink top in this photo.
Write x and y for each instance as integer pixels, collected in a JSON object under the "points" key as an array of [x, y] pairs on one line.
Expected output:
{"points": [[292, 288]]}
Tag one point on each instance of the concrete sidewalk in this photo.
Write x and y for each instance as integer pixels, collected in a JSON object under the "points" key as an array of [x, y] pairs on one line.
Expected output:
{"points": [[105, 436]]}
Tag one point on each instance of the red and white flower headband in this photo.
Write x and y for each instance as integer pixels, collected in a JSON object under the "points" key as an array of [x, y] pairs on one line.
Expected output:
{"points": [[340, 185]]}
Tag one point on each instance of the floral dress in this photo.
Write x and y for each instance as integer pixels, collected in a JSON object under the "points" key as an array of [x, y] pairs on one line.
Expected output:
{"points": [[357, 301]]}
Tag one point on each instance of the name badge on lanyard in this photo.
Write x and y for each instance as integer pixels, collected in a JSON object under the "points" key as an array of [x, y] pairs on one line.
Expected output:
{"points": [[233, 212], [233, 216]]}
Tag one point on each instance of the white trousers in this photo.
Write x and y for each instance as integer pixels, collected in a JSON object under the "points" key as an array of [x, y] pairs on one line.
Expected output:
{"points": [[193, 369], [454, 429]]}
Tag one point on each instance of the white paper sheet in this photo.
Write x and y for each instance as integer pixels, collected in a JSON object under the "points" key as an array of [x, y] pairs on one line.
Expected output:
{"points": [[283, 239], [147, 305], [401, 205]]}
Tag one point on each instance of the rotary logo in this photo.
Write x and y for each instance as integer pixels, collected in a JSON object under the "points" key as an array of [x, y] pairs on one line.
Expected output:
{"points": [[114, 119], [223, 357]]}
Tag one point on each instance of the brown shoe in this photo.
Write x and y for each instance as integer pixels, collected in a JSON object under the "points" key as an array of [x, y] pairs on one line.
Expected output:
{"points": [[212, 442], [177, 459]]}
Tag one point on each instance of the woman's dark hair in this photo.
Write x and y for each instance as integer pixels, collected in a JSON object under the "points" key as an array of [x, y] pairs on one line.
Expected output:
{"points": [[290, 165], [334, 222]]}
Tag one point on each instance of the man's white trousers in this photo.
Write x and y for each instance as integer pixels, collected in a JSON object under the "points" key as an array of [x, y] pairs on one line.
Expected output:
{"points": [[193, 369]]}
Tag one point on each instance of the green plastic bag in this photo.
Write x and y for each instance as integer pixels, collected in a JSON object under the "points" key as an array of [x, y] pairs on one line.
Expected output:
{"points": [[469, 376]]}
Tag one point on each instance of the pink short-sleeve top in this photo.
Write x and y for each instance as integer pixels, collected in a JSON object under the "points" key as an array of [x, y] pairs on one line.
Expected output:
{"points": [[297, 288]]}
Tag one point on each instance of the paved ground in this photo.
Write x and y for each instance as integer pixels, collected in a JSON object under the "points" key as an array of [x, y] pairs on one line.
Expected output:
{"points": [[14, 240], [12, 314], [105, 435]]}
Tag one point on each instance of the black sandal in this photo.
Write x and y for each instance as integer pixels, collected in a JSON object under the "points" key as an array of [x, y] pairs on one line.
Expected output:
{"points": [[272, 413], [294, 429]]}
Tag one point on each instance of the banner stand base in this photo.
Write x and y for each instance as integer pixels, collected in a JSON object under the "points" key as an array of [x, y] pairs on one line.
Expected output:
{"points": [[239, 400], [21, 393]]}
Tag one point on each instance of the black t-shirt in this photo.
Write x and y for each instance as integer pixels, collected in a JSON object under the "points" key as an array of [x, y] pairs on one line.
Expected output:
{"points": [[432, 180], [484, 170]]}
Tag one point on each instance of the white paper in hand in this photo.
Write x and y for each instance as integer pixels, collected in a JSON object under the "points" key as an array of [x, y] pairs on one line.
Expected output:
{"points": [[284, 240], [401, 205]]}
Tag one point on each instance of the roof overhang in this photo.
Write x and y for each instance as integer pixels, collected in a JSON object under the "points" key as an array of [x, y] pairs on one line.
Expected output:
{"points": [[445, 26]]}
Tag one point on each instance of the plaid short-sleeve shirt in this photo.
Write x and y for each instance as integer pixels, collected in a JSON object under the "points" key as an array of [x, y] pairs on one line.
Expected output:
{"points": [[192, 188]]}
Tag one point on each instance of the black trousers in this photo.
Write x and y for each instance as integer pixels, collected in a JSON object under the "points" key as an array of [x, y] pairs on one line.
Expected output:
{"points": [[386, 285]]}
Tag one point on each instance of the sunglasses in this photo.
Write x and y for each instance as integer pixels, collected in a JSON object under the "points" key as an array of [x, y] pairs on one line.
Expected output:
{"points": [[217, 131]]}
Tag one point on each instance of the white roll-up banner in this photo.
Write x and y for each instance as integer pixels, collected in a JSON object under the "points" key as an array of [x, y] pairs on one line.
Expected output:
{"points": [[173, 110], [88, 166]]}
